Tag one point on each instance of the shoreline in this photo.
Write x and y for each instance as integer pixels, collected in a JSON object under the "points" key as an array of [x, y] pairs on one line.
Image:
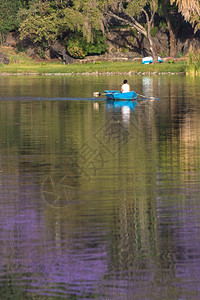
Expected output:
{"points": [[92, 73]]}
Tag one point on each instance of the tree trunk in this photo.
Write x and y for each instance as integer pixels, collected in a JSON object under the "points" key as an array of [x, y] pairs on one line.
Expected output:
{"points": [[151, 42], [147, 33], [172, 36], [172, 43], [173, 30], [153, 49]]}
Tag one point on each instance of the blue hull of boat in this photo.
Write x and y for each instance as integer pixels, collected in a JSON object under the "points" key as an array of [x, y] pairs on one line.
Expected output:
{"points": [[117, 95]]}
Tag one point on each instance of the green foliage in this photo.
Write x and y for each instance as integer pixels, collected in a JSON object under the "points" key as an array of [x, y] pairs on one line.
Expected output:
{"points": [[134, 8], [39, 24], [133, 32], [153, 4], [169, 11], [163, 54], [92, 17], [154, 31], [180, 54], [194, 58], [8, 14], [78, 47], [45, 21], [24, 3], [193, 67], [125, 50], [195, 21], [19, 48], [40, 28], [163, 25], [98, 46]]}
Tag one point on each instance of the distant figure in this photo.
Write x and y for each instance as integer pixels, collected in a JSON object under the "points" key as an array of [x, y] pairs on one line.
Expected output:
{"points": [[125, 88]]}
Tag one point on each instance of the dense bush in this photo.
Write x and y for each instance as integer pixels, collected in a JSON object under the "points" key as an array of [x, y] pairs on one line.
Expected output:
{"points": [[193, 66], [8, 18], [78, 47]]}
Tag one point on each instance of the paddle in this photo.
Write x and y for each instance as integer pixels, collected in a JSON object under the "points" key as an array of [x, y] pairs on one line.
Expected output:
{"points": [[146, 97]]}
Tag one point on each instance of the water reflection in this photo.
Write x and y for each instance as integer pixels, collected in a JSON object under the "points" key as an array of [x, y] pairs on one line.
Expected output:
{"points": [[121, 108], [98, 199], [147, 85], [117, 105]]}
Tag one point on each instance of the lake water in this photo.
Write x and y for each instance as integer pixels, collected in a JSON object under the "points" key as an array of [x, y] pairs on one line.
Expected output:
{"points": [[99, 200]]}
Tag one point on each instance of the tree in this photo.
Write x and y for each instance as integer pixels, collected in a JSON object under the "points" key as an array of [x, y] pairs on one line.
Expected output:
{"points": [[131, 12], [190, 9], [24, 3], [173, 21], [187, 7], [39, 24], [45, 21], [8, 17]]}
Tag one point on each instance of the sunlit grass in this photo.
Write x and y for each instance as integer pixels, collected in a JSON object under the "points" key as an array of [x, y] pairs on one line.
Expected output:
{"points": [[111, 67], [21, 63]]}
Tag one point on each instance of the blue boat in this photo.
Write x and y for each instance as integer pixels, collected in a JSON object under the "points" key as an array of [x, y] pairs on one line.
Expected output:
{"points": [[118, 95]]}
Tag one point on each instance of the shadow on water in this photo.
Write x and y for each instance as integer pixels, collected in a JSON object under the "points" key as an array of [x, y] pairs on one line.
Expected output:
{"points": [[26, 98]]}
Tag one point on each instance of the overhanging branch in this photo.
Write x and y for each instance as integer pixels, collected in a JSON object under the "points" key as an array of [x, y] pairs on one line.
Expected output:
{"points": [[131, 22]]}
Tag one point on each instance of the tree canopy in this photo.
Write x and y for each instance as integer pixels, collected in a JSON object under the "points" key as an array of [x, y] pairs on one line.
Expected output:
{"points": [[82, 24], [8, 17], [190, 9]]}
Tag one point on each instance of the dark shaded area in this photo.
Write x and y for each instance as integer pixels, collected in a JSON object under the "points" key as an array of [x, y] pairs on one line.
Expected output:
{"points": [[4, 59]]}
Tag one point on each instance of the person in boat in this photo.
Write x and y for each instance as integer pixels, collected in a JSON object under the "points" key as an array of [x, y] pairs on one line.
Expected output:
{"points": [[125, 88]]}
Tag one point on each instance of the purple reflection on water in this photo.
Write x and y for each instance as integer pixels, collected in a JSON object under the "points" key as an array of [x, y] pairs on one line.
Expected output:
{"points": [[37, 256], [46, 252], [179, 217]]}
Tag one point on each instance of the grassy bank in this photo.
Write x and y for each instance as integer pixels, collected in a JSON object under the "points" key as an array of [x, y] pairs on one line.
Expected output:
{"points": [[21, 63]]}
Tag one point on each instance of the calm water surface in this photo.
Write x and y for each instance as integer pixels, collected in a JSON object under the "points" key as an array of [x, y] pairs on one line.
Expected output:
{"points": [[99, 200]]}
